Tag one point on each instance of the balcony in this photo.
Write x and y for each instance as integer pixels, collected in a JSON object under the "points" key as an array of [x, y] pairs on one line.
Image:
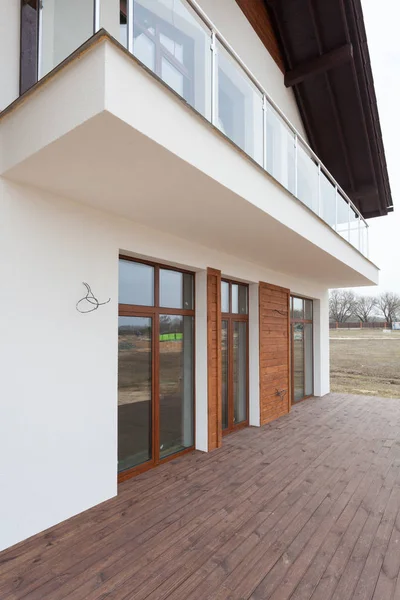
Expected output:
{"points": [[181, 46]]}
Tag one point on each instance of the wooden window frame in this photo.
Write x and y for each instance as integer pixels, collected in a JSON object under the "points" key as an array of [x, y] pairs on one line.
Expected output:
{"points": [[231, 317], [154, 312], [293, 321]]}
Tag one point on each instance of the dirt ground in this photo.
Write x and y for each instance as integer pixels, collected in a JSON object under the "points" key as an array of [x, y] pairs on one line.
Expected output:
{"points": [[365, 362]]}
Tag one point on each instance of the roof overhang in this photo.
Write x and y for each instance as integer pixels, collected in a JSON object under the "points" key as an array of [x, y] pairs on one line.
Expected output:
{"points": [[327, 63]]}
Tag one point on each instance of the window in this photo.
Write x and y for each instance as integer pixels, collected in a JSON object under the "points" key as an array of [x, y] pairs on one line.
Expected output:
{"points": [[301, 310], [155, 364]]}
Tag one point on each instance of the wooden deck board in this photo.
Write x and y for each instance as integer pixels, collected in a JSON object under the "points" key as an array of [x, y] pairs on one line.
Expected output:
{"points": [[306, 507]]}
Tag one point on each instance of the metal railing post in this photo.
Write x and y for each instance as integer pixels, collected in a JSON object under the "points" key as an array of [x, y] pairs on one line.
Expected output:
{"points": [[336, 208], [319, 190], [96, 9], [213, 78], [130, 26], [296, 160], [265, 141]]}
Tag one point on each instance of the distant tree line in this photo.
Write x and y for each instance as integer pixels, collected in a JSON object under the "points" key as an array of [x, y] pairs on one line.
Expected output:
{"points": [[347, 306]]}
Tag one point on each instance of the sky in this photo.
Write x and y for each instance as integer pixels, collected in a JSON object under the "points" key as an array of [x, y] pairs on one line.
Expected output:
{"points": [[381, 23]]}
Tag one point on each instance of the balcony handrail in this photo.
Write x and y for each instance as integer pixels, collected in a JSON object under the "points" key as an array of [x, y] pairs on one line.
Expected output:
{"points": [[195, 6]]}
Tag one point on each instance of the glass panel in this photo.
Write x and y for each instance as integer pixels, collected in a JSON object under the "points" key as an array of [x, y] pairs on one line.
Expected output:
{"points": [[172, 76], [171, 40], [280, 150], [308, 309], [123, 30], [291, 307], [176, 289], [239, 106], [29, 39], [224, 296], [239, 372], [66, 24], [298, 306], [308, 350], [342, 217], [134, 391], [239, 299], [298, 361], [354, 229], [328, 200], [136, 283], [307, 179], [176, 384], [224, 355]]}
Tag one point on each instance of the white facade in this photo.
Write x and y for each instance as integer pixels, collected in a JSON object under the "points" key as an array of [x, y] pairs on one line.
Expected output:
{"points": [[90, 169]]}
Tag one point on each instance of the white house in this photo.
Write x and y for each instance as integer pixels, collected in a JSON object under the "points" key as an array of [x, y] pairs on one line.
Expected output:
{"points": [[179, 157]]}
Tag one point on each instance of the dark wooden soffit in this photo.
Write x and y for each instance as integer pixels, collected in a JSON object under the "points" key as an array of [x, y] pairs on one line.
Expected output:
{"points": [[326, 58], [257, 14]]}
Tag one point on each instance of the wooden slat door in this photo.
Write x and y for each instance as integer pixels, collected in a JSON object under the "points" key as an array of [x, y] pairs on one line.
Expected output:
{"points": [[214, 367], [274, 322]]}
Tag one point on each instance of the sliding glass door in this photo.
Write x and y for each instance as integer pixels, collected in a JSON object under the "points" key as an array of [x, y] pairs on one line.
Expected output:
{"points": [[302, 348], [234, 355], [155, 364]]}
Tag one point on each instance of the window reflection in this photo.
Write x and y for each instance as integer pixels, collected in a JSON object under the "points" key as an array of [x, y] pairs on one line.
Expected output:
{"points": [[136, 283], [176, 384]]}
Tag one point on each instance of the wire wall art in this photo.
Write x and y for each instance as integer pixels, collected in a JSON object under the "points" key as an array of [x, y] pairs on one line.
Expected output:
{"points": [[90, 301]]}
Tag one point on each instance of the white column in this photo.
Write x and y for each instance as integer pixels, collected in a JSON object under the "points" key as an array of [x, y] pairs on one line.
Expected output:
{"points": [[9, 51], [254, 357], [109, 17], [201, 400], [321, 346]]}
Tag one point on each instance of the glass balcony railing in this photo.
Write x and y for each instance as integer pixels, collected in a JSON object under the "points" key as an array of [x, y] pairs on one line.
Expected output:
{"points": [[176, 41]]}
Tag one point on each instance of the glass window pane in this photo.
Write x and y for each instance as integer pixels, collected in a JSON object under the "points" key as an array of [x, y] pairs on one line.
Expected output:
{"points": [[176, 289], [66, 25], [225, 374], [308, 359], [307, 179], [123, 29], [239, 299], [298, 308], [298, 361], [239, 105], [280, 150], [134, 391], [224, 296], [239, 372], [173, 31], [172, 76], [136, 283], [342, 217], [176, 384], [328, 200], [308, 309], [354, 229]]}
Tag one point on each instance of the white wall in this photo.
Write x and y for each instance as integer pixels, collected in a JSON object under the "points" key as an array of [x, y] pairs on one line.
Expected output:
{"points": [[9, 51], [58, 389]]}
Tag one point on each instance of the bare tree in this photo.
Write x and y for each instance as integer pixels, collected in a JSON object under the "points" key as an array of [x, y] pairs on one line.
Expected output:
{"points": [[342, 304], [365, 307], [389, 305]]}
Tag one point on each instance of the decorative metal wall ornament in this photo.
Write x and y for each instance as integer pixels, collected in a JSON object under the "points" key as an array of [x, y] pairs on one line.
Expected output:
{"points": [[90, 299]]}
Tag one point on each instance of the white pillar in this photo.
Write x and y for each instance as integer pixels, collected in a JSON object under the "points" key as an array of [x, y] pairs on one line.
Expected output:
{"points": [[201, 400], [9, 51], [109, 17], [321, 346], [254, 357]]}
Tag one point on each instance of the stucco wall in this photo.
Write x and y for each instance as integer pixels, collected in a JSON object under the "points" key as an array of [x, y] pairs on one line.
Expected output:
{"points": [[58, 390]]}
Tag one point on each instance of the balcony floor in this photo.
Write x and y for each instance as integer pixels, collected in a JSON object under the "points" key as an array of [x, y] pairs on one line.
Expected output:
{"points": [[307, 506]]}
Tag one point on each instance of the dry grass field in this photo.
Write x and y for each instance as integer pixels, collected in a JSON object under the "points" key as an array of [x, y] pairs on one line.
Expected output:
{"points": [[365, 362]]}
